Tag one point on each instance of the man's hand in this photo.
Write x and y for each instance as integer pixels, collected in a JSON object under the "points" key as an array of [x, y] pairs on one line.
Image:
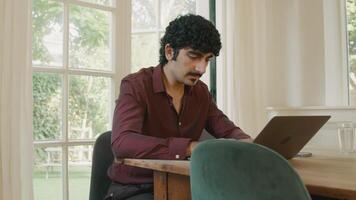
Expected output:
{"points": [[249, 140], [191, 147]]}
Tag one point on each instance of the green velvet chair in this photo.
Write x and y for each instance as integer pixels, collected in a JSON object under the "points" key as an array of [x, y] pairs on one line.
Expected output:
{"points": [[232, 170], [102, 159]]}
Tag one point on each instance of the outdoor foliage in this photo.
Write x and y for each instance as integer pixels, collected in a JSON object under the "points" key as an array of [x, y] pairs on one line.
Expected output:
{"points": [[145, 46], [47, 106], [80, 102], [351, 13], [88, 96]]}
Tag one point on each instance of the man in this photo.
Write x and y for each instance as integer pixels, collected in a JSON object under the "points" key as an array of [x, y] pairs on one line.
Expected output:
{"points": [[162, 111]]}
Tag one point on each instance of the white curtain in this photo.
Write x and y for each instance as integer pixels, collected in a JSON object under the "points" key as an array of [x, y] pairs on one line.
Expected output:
{"points": [[279, 53], [15, 101]]}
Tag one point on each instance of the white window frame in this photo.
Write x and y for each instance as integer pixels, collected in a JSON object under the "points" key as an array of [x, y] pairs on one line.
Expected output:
{"points": [[345, 53], [121, 63], [120, 59], [336, 54], [203, 9]]}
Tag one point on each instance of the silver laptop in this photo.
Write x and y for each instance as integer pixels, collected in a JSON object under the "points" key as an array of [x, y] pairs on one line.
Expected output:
{"points": [[287, 135]]}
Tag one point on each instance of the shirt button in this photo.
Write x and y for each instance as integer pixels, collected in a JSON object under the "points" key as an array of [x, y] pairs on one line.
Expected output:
{"points": [[180, 123]]}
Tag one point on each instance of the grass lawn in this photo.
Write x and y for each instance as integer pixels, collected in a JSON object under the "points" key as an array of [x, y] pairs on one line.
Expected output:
{"points": [[51, 188]]}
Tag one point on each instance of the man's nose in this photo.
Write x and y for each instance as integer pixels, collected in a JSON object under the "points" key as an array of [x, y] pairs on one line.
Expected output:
{"points": [[201, 67]]}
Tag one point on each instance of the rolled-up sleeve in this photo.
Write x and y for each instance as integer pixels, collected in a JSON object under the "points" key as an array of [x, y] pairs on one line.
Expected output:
{"points": [[128, 140]]}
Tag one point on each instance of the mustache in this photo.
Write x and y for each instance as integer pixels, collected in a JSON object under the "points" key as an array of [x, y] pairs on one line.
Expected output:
{"points": [[194, 74]]}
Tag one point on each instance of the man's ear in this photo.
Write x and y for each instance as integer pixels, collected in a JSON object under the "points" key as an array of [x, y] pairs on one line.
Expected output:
{"points": [[169, 53]]}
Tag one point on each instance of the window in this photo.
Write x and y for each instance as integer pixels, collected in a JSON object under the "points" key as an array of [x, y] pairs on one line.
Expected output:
{"points": [[351, 28], [149, 19], [73, 78], [78, 58]]}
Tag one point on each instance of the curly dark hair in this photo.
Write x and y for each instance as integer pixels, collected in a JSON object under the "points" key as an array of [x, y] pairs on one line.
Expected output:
{"points": [[191, 31]]}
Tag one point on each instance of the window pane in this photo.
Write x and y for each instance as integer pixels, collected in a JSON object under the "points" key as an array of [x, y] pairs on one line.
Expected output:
{"points": [[143, 15], [101, 2], [89, 106], [79, 171], [89, 38], [47, 106], [144, 51], [170, 9], [47, 29], [47, 173], [351, 12]]}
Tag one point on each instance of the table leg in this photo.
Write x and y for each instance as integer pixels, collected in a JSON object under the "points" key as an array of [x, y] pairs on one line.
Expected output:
{"points": [[160, 185], [178, 187]]}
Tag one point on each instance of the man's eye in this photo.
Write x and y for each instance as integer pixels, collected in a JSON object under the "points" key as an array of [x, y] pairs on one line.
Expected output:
{"points": [[193, 56]]}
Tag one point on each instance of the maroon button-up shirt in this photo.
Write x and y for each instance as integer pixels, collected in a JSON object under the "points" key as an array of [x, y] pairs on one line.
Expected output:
{"points": [[146, 124]]}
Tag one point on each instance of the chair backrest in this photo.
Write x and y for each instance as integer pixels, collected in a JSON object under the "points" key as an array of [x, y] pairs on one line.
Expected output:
{"points": [[232, 170], [102, 159]]}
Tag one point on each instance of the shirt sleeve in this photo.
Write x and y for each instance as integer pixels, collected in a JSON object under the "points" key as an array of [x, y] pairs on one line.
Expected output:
{"points": [[219, 125], [128, 141]]}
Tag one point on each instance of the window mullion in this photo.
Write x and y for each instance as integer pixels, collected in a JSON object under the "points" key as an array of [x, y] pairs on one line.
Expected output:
{"points": [[91, 5], [114, 37], [137, 32], [59, 143], [158, 22], [345, 53], [49, 70], [122, 41], [87, 72], [90, 72], [65, 101]]}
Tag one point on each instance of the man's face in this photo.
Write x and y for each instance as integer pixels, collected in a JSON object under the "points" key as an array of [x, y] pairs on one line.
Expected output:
{"points": [[190, 65]]}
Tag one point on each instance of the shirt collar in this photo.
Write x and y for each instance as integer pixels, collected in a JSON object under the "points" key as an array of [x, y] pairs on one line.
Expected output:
{"points": [[157, 79], [158, 85]]}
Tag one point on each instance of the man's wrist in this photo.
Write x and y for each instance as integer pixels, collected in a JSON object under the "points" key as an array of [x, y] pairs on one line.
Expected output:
{"points": [[190, 148]]}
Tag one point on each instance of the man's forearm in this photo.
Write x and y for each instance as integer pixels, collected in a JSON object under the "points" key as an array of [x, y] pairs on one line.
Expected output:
{"points": [[133, 145]]}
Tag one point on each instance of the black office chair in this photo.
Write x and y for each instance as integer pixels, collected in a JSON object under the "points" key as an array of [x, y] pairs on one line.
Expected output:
{"points": [[102, 159]]}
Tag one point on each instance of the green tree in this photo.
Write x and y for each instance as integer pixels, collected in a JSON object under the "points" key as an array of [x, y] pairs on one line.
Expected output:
{"points": [[45, 14], [88, 96], [351, 26], [46, 119]]}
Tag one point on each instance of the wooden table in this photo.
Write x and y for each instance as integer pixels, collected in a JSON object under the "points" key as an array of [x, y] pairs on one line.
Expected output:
{"points": [[329, 175]]}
